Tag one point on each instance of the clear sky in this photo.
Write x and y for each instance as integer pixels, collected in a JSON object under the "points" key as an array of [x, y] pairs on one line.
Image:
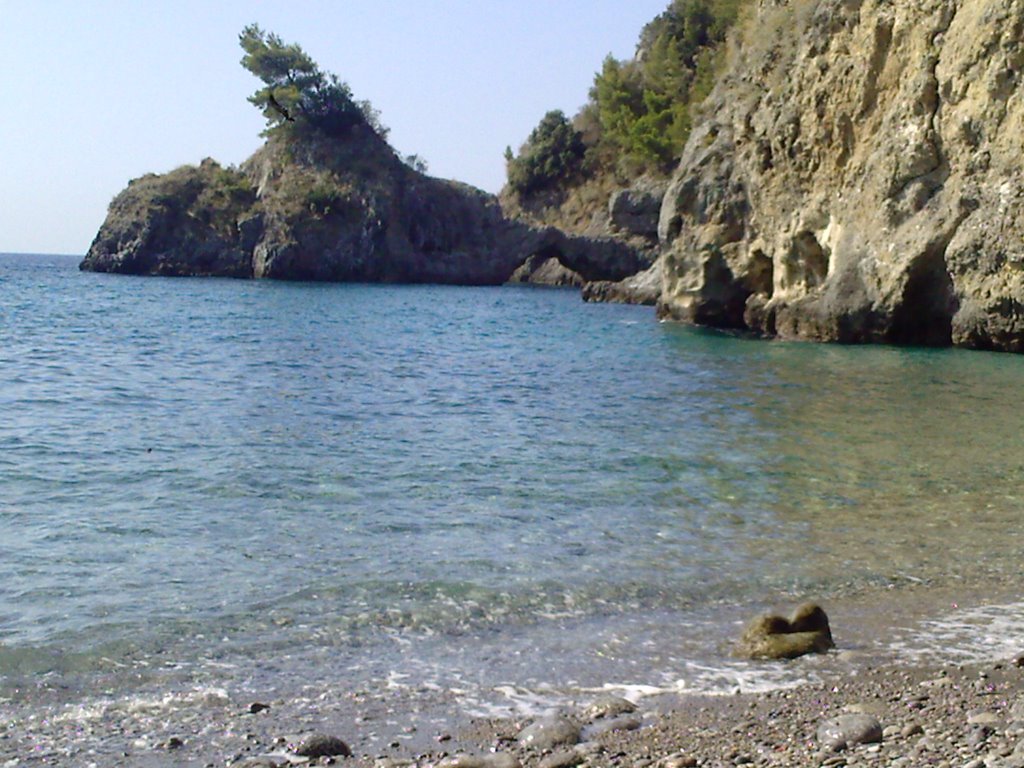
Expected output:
{"points": [[96, 92]]}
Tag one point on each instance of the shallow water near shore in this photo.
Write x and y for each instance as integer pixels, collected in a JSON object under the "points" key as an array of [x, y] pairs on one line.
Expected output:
{"points": [[462, 501]]}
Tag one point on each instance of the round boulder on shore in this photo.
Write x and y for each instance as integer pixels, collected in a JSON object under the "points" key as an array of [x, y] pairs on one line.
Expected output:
{"points": [[778, 637], [321, 745]]}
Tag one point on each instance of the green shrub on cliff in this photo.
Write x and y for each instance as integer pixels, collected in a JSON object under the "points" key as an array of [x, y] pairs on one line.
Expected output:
{"points": [[296, 94], [323, 198], [551, 155], [644, 104], [226, 193], [639, 114]]}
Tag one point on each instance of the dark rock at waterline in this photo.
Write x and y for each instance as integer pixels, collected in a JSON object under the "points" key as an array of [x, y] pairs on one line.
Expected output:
{"points": [[321, 745], [538, 270], [642, 288], [777, 637]]}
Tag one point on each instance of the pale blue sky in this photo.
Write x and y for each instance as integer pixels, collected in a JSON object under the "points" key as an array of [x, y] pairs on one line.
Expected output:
{"points": [[96, 92]]}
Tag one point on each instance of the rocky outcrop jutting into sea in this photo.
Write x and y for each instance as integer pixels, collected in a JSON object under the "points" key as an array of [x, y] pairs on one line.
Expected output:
{"points": [[331, 209], [857, 177]]}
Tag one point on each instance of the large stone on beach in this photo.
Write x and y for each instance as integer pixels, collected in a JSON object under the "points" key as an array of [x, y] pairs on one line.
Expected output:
{"points": [[321, 745], [550, 732], [846, 730], [776, 637]]}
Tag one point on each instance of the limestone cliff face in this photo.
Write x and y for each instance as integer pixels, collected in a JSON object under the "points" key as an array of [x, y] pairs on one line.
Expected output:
{"points": [[331, 210], [858, 177]]}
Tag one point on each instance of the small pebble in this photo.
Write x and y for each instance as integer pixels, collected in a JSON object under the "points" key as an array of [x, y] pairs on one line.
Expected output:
{"points": [[680, 761], [564, 758], [984, 718]]}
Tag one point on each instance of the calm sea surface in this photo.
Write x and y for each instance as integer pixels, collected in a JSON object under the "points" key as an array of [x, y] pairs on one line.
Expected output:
{"points": [[263, 486]]}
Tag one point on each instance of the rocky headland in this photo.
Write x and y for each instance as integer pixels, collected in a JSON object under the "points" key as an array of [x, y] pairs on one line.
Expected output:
{"points": [[327, 198], [853, 176], [332, 209]]}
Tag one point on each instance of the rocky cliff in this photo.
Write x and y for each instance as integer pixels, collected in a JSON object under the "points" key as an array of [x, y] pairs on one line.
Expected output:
{"points": [[332, 209], [856, 176]]}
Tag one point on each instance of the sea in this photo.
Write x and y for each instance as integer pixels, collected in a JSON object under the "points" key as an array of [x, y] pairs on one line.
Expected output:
{"points": [[397, 508]]}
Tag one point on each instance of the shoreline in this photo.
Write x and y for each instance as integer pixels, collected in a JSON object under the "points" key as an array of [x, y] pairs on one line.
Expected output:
{"points": [[947, 711], [928, 715]]}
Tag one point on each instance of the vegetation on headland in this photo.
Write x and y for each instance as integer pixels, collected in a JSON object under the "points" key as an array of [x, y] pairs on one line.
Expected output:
{"points": [[639, 112], [297, 96]]}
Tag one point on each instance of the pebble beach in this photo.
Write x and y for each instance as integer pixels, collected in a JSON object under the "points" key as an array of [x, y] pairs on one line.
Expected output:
{"points": [[969, 716], [962, 716]]}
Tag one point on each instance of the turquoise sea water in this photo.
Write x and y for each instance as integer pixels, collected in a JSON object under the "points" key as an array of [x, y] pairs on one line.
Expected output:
{"points": [[256, 485]]}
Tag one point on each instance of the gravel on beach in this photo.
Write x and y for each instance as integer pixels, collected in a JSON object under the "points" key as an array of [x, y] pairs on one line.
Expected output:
{"points": [[956, 716], [888, 716]]}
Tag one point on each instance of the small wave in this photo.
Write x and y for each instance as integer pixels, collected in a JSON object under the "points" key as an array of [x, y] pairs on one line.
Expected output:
{"points": [[965, 635], [717, 680], [144, 705]]}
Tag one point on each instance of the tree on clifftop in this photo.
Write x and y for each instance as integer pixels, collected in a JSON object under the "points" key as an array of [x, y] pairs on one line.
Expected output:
{"points": [[296, 94], [552, 155]]}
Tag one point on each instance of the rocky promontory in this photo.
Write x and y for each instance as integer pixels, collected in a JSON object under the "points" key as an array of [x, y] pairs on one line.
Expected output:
{"points": [[327, 198], [331, 209]]}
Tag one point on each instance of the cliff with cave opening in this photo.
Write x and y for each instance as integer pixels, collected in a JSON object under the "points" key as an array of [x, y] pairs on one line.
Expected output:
{"points": [[856, 176]]}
